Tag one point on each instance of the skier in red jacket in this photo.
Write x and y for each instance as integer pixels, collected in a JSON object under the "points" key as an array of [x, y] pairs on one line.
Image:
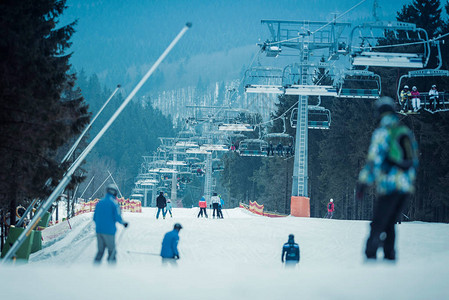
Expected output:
{"points": [[330, 209], [203, 205]]}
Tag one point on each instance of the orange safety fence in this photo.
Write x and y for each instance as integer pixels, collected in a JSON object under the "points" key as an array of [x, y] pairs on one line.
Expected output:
{"points": [[258, 209], [126, 205]]}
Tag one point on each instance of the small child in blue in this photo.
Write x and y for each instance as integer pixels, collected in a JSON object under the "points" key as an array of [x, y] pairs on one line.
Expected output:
{"points": [[168, 208]]}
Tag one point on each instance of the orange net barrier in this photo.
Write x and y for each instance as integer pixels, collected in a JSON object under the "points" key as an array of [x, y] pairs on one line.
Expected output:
{"points": [[126, 205], [258, 209]]}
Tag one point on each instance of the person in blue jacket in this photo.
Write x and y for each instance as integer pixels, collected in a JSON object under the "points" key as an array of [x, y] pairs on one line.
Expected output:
{"points": [[169, 251], [107, 213], [290, 252]]}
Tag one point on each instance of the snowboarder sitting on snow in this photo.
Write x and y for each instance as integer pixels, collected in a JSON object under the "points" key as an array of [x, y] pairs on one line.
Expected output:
{"points": [[203, 205], [391, 165], [161, 203], [169, 251], [290, 252], [330, 209], [107, 213]]}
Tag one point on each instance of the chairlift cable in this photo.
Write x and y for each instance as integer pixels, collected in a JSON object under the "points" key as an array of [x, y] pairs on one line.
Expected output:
{"points": [[411, 43], [322, 27]]}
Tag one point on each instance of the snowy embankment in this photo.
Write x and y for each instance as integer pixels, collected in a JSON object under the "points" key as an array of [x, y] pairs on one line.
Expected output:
{"points": [[237, 257]]}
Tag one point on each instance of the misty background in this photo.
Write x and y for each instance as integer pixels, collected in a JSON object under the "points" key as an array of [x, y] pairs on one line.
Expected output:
{"points": [[116, 42], [120, 40]]}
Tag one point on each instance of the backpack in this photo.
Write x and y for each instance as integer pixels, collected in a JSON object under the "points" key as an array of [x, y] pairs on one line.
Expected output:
{"points": [[291, 252], [401, 153]]}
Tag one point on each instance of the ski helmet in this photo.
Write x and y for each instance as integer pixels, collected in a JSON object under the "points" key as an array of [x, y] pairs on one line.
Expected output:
{"points": [[405, 87], [414, 88], [332, 200], [177, 226], [291, 238], [112, 189], [434, 86], [384, 105]]}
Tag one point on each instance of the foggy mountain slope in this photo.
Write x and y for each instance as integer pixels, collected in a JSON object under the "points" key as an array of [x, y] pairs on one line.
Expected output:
{"points": [[114, 38]]}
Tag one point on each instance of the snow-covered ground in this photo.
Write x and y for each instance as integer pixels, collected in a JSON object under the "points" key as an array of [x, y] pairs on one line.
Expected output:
{"points": [[238, 257]]}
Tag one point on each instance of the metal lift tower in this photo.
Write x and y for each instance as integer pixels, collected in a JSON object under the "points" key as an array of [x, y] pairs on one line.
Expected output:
{"points": [[305, 36]]}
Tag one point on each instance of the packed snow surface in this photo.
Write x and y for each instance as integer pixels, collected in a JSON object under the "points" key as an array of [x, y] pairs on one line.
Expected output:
{"points": [[238, 257]]}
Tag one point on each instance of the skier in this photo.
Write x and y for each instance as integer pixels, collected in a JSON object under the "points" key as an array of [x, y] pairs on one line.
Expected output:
{"points": [[169, 207], [215, 202], [330, 209], [280, 149], [289, 149], [290, 252], [169, 250], [416, 101], [220, 205], [391, 165], [107, 213], [270, 148], [434, 98], [404, 101], [203, 205], [161, 203]]}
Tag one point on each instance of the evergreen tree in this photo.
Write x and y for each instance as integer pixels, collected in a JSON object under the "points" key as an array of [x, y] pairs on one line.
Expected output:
{"points": [[425, 14], [40, 110]]}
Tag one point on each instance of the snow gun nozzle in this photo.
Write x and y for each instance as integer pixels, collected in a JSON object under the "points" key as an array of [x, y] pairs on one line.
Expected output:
{"points": [[189, 24]]}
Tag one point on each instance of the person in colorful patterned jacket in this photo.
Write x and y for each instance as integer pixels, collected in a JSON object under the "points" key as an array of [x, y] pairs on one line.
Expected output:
{"points": [[391, 165]]}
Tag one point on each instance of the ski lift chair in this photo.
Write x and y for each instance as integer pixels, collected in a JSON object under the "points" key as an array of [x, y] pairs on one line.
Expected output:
{"points": [[265, 80], [319, 118], [414, 78], [253, 147], [360, 84], [391, 32]]}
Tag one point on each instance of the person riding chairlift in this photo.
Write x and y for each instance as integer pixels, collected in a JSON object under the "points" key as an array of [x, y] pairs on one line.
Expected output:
{"points": [[404, 99], [416, 101]]}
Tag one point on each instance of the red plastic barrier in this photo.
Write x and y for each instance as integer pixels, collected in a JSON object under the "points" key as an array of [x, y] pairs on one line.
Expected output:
{"points": [[300, 206]]}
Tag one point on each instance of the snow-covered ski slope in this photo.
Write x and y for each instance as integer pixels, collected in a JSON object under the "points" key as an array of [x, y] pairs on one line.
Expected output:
{"points": [[238, 257]]}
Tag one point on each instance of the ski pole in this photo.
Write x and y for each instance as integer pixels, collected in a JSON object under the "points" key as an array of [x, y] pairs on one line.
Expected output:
{"points": [[118, 242], [68, 176], [144, 253]]}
